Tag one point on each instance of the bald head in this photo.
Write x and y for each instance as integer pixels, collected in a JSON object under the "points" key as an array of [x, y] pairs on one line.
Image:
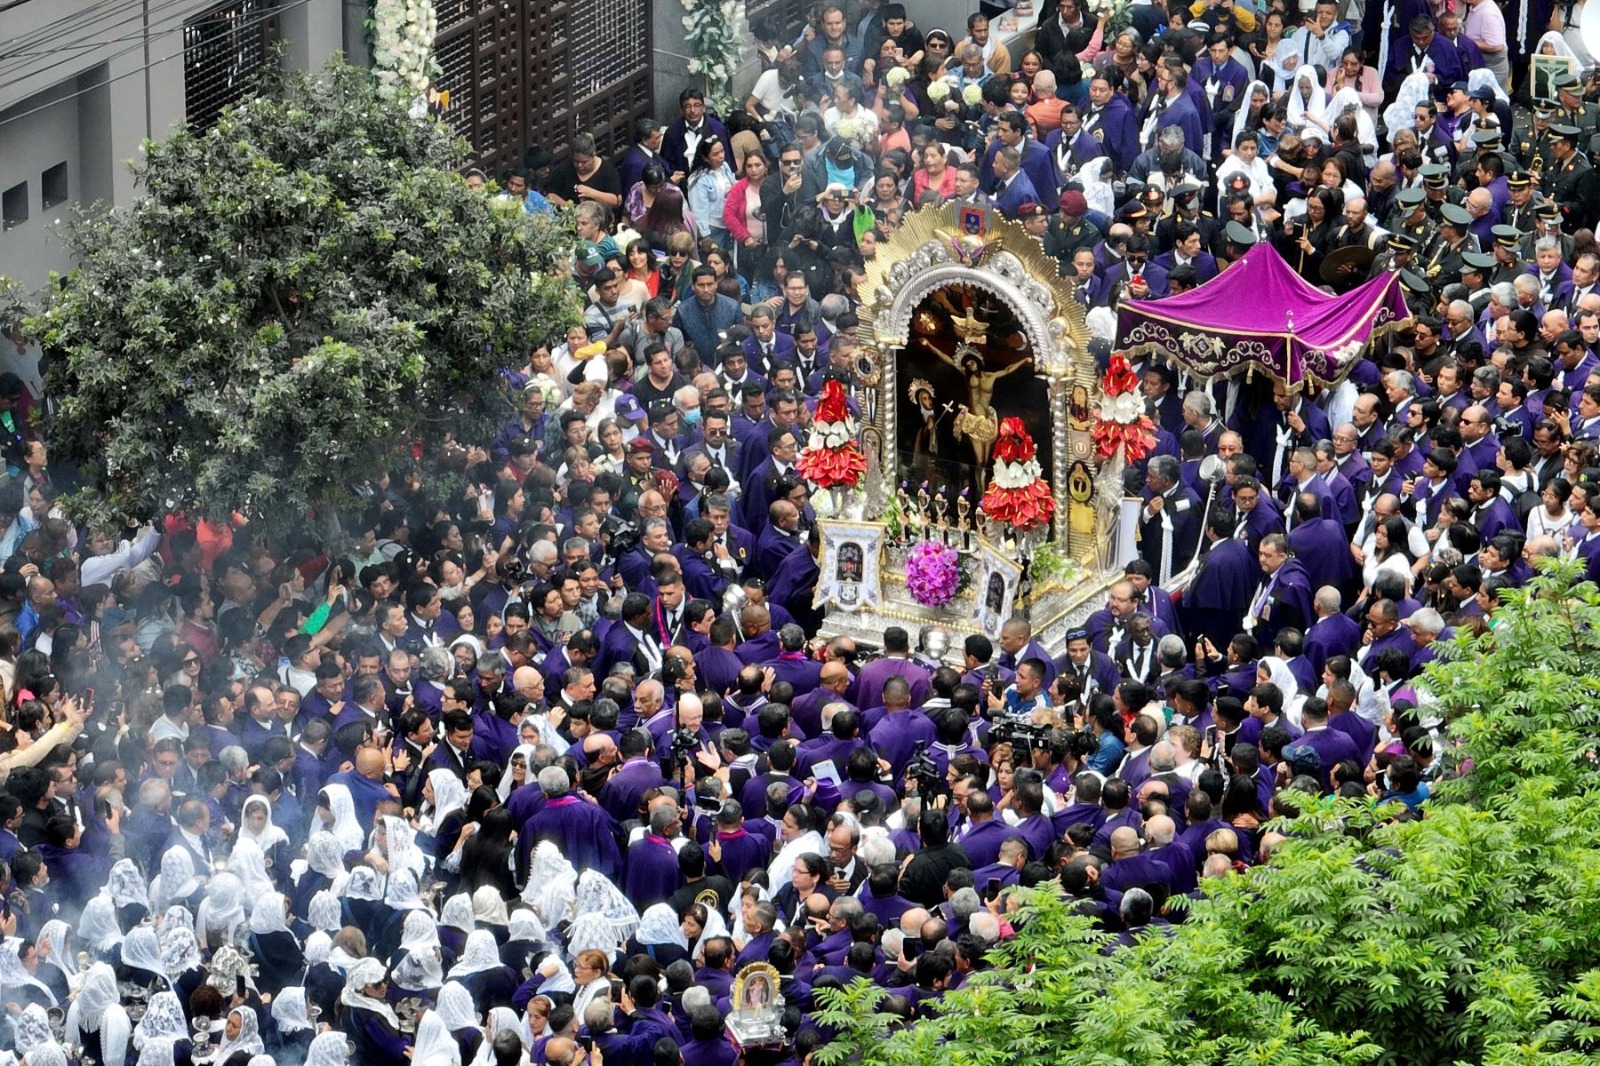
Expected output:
{"points": [[835, 676], [1159, 831], [1327, 601], [911, 921], [1124, 842], [369, 763]]}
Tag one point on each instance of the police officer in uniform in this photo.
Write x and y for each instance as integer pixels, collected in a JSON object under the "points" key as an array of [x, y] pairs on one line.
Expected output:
{"points": [[1547, 223], [1508, 262], [1399, 253], [1186, 208], [1442, 265], [1070, 230], [1569, 182], [1410, 216], [1438, 190], [1574, 112], [1475, 267], [1518, 212], [1418, 293], [1531, 145]]}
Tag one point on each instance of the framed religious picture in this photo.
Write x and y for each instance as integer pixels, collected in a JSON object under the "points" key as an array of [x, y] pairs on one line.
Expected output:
{"points": [[1543, 70], [851, 579], [756, 1017], [999, 577]]}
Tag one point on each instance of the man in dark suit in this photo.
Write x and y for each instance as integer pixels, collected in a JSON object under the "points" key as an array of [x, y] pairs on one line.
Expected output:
{"points": [[1169, 525], [1119, 280], [693, 125], [646, 149], [1187, 250], [766, 344], [631, 639], [1012, 188]]}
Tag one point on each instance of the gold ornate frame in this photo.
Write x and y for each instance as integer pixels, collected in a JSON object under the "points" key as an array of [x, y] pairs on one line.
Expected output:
{"points": [[928, 252]]}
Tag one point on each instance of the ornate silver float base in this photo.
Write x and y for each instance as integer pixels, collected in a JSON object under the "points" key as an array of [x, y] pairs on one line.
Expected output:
{"points": [[1052, 611]]}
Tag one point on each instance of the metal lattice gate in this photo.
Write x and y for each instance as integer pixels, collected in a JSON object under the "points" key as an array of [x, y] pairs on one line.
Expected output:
{"points": [[533, 72], [224, 49]]}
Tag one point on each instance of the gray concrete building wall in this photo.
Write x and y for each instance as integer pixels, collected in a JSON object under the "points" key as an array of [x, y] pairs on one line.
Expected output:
{"points": [[82, 84]]}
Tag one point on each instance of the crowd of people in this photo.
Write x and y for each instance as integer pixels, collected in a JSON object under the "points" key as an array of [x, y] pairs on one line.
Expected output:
{"points": [[530, 772]]}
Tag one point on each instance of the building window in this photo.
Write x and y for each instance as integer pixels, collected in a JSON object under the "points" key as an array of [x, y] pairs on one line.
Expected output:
{"points": [[53, 184], [14, 206], [223, 51]]}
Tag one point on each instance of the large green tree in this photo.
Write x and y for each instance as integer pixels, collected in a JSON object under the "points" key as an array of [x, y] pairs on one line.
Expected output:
{"points": [[300, 292], [1471, 936]]}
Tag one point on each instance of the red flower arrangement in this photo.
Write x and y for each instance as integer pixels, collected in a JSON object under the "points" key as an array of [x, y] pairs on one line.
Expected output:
{"points": [[1123, 425], [1017, 494], [832, 459]]}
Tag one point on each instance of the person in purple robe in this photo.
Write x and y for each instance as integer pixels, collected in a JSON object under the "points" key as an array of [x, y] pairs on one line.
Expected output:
{"points": [[901, 729], [896, 662], [1284, 596], [652, 862], [638, 774], [986, 835], [1321, 545], [1215, 601], [1331, 745], [582, 830], [792, 664]]}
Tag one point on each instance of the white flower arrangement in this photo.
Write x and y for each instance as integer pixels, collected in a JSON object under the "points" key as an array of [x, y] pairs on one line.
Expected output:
{"points": [[713, 46], [403, 32], [846, 129], [938, 91], [1016, 475], [832, 435], [972, 95], [1125, 409], [896, 77]]}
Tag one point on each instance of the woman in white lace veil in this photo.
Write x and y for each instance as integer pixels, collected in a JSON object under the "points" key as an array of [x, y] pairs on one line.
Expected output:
{"points": [[448, 795], [1348, 101], [129, 891], [508, 780], [552, 885], [222, 916], [328, 1049], [434, 1045], [1095, 177], [501, 1020], [324, 912], [176, 882], [1415, 90], [401, 891], [658, 926], [180, 952], [97, 1019], [481, 954], [324, 856], [53, 948], [488, 909], [163, 1020], [289, 1010], [421, 965], [1306, 102], [456, 1009], [266, 837], [242, 1033], [597, 896], [98, 929], [344, 826], [361, 976], [249, 865], [31, 1030], [141, 950]]}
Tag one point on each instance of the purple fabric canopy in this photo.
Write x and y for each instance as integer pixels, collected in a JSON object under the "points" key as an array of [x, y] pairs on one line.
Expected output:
{"points": [[1260, 314]]}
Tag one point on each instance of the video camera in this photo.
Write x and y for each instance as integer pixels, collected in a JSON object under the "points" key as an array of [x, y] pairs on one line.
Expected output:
{"points": [[1014, 732], [925, 772]]}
